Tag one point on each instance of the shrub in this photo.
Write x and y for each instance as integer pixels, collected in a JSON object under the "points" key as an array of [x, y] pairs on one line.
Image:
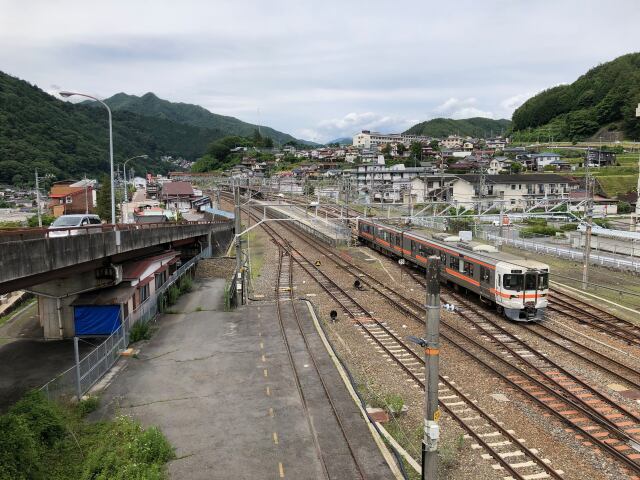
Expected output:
{"points": [[602, 222], [88, 405], [43, 417], [624, 207], [46, 220], [140, 331], [536, 221], [20, 451], [128, 452], [569, 227], [186, 284], [538, 230], [173, 293]]}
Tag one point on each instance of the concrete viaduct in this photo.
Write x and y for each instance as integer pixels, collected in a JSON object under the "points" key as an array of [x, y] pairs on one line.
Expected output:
{"points": [[59, 268]]}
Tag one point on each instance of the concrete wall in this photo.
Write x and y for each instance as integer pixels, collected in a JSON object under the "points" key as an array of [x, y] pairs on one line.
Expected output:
{"points": [[25, 258]]}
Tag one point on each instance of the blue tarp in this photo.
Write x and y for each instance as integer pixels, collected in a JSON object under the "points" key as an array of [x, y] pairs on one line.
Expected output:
{"points": [[96, 319]]}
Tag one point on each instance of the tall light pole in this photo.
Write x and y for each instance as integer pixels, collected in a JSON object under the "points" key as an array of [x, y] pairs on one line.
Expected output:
{"points": [[124, 170], [637, 217], [113, 191]]}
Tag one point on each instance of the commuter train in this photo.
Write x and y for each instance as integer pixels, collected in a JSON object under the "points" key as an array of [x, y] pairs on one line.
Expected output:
{"points": [[516, 286]]}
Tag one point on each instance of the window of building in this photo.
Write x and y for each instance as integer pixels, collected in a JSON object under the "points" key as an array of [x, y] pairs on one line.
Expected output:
{"points": [[144, 293], [513, 186], [160, 279], [68, 199]]}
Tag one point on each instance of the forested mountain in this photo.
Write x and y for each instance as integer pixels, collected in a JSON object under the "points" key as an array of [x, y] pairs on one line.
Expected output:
{"points": [[606, 96], [69, 140], [150, 105], [473, 127]]}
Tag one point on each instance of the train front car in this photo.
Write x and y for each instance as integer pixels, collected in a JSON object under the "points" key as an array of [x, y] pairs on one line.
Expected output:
{"points": [[522, 289]]}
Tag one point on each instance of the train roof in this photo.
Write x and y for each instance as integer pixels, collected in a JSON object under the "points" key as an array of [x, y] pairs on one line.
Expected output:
{"points": [[478, 250]]}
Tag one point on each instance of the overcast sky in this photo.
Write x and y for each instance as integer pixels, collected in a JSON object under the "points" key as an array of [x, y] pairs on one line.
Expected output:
{"points": [[317, 69]]}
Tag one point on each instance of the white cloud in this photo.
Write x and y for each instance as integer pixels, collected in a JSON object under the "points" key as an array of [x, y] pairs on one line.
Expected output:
{"points": [[461, 108], [511, 103], [354, 122]]}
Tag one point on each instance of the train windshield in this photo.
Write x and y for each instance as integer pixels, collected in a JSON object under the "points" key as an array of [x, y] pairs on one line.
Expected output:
{"points": [[543, 281], [513, 281]]}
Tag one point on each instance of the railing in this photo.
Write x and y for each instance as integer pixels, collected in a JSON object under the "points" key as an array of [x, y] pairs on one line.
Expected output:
{"points": [[576, 255], [37, 232], [77, 380]]}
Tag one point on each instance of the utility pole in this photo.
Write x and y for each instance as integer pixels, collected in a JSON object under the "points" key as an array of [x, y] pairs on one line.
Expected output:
{"points": [[589, 215], [238, 228], [38, 200], [431, 364], [636, 220], [86, 192]]}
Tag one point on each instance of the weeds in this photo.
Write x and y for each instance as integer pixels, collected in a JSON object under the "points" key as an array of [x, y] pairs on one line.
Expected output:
{"points": [[185, 284], [140, 331], [394, 403], [88, 405], [172, 295]]}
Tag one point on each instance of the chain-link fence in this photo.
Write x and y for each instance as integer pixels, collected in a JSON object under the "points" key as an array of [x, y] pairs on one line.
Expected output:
{"points": [[77, 380]]}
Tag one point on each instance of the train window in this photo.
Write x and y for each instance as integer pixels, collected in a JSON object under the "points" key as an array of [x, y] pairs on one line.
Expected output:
{"points": [[413, 247], [398, 242], [513, 282], [543, 281], [454, 262], [530, 280], [443, 258], [468, 268], [485, 274]]}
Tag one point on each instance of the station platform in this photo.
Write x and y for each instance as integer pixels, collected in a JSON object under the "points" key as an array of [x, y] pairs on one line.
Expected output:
{"points": [[329, 230], [221, 387]]}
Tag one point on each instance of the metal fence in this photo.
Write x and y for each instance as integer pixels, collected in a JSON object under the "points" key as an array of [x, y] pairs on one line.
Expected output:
{"points": [[77, 380], [564, 252]]}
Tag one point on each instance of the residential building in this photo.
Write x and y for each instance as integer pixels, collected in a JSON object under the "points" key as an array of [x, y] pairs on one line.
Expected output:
{"points": [[384, 183], [452, 141], [69, 197], [429, 188], [516, 191], [369, 139], [597, 158], [537, 161]]}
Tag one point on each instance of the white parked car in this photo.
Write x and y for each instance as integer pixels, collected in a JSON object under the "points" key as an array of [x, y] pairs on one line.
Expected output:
{"points": [[70, 225]]}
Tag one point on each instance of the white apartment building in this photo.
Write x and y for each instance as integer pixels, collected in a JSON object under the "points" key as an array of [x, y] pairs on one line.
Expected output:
{"points": [[453, 141], [515, 191], [369, 139]]}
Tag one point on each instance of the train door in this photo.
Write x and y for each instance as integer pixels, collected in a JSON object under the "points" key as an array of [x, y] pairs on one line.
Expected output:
{"points": [[485, 283], [530, 294]]}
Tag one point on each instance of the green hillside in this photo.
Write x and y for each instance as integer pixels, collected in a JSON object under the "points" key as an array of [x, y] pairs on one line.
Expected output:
{"points": [[67, 140], [472, 127], [606, 97], [150, 105]]}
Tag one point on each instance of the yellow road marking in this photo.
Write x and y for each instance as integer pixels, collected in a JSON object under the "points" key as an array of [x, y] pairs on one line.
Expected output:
{"points": [[275, 438], [261, 345], [271, 412], [281, 468], [268, 392], [266, 374], [263, 359]]}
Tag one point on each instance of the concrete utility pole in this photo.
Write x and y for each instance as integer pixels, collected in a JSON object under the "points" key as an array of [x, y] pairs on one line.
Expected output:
{"points": [[589, 215], [431, 364], [38, 200], [238, 228], [637, 216]]}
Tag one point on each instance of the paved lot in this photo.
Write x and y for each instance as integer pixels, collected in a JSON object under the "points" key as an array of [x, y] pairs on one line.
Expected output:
{"points": [[220, 386]]}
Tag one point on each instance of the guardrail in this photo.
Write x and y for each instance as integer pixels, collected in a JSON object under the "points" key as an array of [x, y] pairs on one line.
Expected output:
{"points": [[576, 255], [77, 380], [19, 234]]}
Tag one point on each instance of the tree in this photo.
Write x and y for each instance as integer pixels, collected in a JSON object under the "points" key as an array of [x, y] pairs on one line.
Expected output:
{"points": [[624, 207], [103, 199], [435, 144], [401, 148], [416, 150], [516, 167], [386, 149]]}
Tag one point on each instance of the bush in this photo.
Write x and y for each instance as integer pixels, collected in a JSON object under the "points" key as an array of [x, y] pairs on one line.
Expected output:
{"points": [[44, 418], [536, 221], [569, 227], [538, 230], [602, 222], [128, 452], [186, 284], [624, 207], [172, 295], [140, 331], [46, 220], [20, 451], [88, 405]]}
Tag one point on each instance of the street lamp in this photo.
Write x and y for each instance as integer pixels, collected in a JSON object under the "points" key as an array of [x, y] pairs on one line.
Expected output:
{"points": [[124, 170], [113, 192]]}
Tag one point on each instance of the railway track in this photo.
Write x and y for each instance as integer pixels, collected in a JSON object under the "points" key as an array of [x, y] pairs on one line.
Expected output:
{"points": [[290, 324], [600, 419], [593, 316], [501, 445]]}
